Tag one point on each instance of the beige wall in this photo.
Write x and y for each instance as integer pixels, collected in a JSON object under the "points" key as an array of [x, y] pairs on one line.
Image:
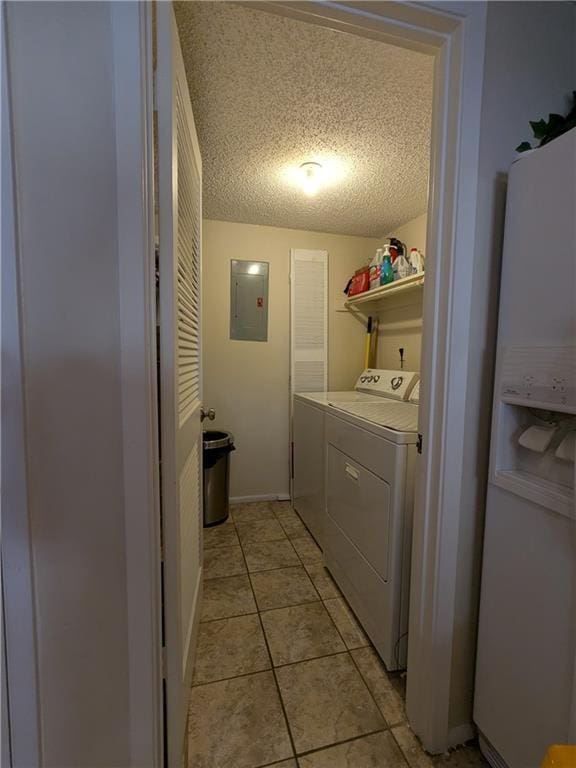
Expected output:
{"points": [[413, 233], [247, 382], [401, 322]]}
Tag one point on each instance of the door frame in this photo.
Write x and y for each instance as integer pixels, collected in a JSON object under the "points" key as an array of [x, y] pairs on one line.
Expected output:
{"points": [[134, 107], [180, 422], [454, 33]]}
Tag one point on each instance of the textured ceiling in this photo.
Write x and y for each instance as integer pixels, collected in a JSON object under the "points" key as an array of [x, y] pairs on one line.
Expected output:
{"points": [[270, 93]]}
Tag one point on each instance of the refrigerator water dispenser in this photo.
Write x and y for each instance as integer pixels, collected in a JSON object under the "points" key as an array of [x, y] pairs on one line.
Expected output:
{"points": [[534, 425]]}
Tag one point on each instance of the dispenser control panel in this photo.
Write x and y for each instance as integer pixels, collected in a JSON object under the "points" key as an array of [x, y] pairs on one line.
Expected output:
{"points": [[540, 377], [393, 384]]}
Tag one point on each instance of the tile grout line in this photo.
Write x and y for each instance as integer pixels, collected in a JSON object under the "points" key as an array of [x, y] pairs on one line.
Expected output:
{"points": [[288, 730], [265, 610], [238, 616], [291, 605], [322, 601], [281, 700], [232, 677], [280, 666], [284, 713], [233, 616], [274, 569], [347, 651], [388, 726], [321, 561], [303, 565], [341, 636], [243, 573], [404, 755], [368, 643], [371, 646], [313, 658], [344, 741], [265, 570], [365, 681], [308, 533]]}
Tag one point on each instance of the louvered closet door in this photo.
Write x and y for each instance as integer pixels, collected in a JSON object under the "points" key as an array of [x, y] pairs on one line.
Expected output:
{"points": [[309, 321], [180, 219]]}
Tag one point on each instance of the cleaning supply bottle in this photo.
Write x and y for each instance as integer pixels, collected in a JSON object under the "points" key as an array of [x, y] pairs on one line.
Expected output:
{"points": [[375, 269], [402, 267], [416, 261], [387, 272], [396, 250]]}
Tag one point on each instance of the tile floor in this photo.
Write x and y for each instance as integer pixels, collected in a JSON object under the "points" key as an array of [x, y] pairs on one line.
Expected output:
{"points": [[284, 674]]}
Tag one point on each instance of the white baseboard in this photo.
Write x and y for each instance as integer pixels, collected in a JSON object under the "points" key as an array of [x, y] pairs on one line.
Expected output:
{"points": [[262, 497], [492, 756]]}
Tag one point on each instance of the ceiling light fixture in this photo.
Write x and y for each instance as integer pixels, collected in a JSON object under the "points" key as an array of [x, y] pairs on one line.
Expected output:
{"points": [[319, 174], [311, 175]]}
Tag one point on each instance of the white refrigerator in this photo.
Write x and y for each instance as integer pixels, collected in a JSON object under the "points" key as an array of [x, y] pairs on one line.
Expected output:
{"points": [[525, 695]]}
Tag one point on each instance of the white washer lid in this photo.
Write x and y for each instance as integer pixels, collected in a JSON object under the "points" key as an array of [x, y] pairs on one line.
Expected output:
{"points": [[327, 398], [401, 417]]}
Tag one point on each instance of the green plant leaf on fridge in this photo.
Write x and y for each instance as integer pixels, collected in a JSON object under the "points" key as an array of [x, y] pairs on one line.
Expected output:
{"points": [[539, 127]]}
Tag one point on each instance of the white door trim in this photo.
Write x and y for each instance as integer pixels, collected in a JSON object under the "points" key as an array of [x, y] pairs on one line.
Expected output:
{"points": [[132, 40], [454, 32], [131, 67], [19, 623], [180, 375]]}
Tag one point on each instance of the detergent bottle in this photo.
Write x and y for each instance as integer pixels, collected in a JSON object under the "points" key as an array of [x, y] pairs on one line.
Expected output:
{"points": [[416, 261], [386, 272]]}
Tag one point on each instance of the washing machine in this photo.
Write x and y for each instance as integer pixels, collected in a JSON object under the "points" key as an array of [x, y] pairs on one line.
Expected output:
{"points": [[370, 455], [308, 453], [308, 437]]}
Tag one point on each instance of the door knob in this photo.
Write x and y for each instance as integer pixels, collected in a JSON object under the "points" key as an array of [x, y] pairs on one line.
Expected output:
{"points": [[209, 414]]}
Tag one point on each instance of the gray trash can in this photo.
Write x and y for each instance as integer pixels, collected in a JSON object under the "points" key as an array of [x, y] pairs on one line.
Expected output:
{"points": [[217, 448]]}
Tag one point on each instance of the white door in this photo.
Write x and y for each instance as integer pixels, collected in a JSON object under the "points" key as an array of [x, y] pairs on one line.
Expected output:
{"points": [[180, 219], [308, 320]]}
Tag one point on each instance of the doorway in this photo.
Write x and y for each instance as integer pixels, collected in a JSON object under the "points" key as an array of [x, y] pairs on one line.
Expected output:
{"points": [[455, 31], [432, 525]]}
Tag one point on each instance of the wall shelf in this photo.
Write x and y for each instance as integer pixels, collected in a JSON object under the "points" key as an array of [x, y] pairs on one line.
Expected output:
{"points": [[376, 297]]}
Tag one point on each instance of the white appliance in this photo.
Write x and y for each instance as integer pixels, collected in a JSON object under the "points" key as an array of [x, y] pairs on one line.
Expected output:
{"points": [[353, 487], [525, 679], [370, 456], [308, 438]]}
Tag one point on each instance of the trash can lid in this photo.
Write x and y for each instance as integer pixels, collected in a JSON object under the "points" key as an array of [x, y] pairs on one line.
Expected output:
{"points": [[213, 438]]}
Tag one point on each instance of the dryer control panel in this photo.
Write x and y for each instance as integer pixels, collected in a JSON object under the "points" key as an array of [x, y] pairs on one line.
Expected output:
{"points": [[396, 385]]}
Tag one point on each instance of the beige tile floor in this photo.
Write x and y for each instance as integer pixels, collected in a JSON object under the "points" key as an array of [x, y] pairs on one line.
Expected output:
{"points": [[284, 674]]}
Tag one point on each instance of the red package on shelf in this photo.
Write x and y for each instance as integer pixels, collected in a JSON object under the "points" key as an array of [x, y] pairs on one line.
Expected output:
{"points": [[360, 282]]}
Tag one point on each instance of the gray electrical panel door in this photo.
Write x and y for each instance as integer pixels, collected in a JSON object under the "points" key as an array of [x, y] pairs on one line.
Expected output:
{"points": [[249, 300]]}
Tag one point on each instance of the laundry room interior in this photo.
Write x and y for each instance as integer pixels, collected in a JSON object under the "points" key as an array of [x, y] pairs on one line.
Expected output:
{"points": [[289, 384], [289, 94], [316, 328], [315, 195]]}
